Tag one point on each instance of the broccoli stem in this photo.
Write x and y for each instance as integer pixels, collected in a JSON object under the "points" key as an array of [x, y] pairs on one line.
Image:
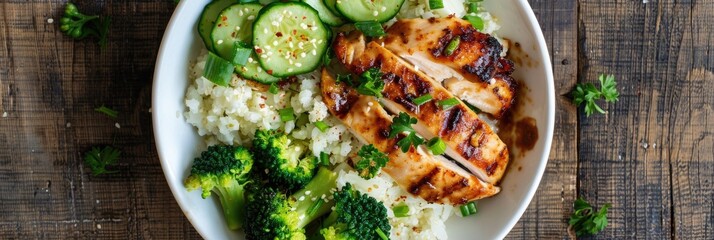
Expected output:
{"points": [[233, 200], [324, 181]]}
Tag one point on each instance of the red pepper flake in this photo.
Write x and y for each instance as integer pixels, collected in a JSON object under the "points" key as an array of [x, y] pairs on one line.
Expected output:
{"points": [[279, 34], [269, 72], [258, 50], [262, 105], [294, 31], [224, 18]]}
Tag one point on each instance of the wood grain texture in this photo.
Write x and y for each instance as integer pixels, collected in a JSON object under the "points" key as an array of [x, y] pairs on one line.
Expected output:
{"points": [[652, 156], [50, 85], [546, 216]]}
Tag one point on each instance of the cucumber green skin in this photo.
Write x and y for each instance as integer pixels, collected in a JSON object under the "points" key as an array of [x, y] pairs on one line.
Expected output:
{"points": [[223, 31], [326, 15], [330, 4], [308, 66], [359, 11], [253, 71], [208, 19]]}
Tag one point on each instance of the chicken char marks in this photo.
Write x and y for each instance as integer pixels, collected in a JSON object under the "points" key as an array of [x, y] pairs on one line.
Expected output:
{"points": [[469, 140], [432, 178], [474, 71]]}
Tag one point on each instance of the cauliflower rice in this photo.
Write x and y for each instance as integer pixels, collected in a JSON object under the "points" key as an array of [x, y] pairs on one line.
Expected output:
{"points": [[231, 115]]}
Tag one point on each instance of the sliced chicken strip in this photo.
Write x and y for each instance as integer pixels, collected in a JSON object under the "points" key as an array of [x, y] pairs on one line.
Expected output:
{"points": [[420, 173], [475, 71], [470, 141]]}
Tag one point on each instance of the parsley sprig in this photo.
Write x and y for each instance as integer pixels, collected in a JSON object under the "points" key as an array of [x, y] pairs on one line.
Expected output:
{"points": [[587, 93], [99, 158], [403, 124], [371, 161], [585, 221], [371, 83]]}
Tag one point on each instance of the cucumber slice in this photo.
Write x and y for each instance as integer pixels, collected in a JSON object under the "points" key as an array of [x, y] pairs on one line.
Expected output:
{"points": [[233, 24], [369, 10], [208, 20], [326, 14], [330, 4], [252, 70], [289, 38]]}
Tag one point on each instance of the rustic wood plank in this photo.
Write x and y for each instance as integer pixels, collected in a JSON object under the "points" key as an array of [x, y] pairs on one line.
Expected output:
{"points": [[49, 86], [552, 204], [651, 156]]}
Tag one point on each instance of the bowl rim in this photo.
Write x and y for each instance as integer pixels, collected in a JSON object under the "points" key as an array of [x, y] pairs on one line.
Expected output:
{"points": [[526, 9]]}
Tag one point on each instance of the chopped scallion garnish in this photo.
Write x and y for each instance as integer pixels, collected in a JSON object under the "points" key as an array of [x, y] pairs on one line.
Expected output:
{"points": [[473, 108], [322, 126], [472, 7], [436, 146], [287, 114], [448, 103], [241, 53], [218, 70], [436, 4], [401, 210], [325, 159], [107, 111], [468, 209], [475, 21], [453, 45], [273, 88], [423, 99], [370, 28]]}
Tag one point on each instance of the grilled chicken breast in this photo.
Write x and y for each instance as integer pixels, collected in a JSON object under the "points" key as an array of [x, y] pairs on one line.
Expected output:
{"points": [[469, 140], [475, 71], [434, 179]]}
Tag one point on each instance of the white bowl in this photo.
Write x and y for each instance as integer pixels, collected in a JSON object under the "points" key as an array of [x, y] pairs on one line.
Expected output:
{"points": [[177, 142]]}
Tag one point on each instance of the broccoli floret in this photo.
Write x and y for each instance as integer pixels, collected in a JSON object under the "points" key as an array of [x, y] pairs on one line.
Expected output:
{"points": [[371, 160], [224, 171], [78, 25], [356, 216], [287, 163], [274, 215]]}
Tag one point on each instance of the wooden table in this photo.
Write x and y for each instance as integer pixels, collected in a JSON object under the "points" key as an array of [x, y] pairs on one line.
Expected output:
{"points": [[652, 156]]}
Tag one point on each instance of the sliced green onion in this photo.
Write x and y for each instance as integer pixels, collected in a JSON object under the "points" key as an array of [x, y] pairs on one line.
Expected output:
{"points": [[472, 7], [314, 207], [273, 88], [218, 70], [107, 111], [475, 21], [401, 210], [473, 108], [370, 28], [436, 145], [436, 4], [468, 209], [287, 114], [241, 53], [448, 103], [322, 126], [423, 99], [381, 234], [453, 45], [325, 159]]}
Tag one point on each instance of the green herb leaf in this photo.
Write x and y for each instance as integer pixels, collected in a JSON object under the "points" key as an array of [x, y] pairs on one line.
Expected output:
{"points": [[347, 78], [584, 221], [587, 93], [107, 111], [371, 83], [99, 158], [371, 161], [410, 140], [402, 123]]}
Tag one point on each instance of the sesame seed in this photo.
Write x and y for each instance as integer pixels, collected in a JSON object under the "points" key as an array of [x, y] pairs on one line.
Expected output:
{"points": [[416, 68], [117, 125], [303, 55], [314, 52], [251, 17], [375, 13], [298, 64], [219, 42], [265, 30], [237, 28], [384, 8], [290, 70], [308, 192], [250, 59], [301, 198], [275, 43], [50, 20]]}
